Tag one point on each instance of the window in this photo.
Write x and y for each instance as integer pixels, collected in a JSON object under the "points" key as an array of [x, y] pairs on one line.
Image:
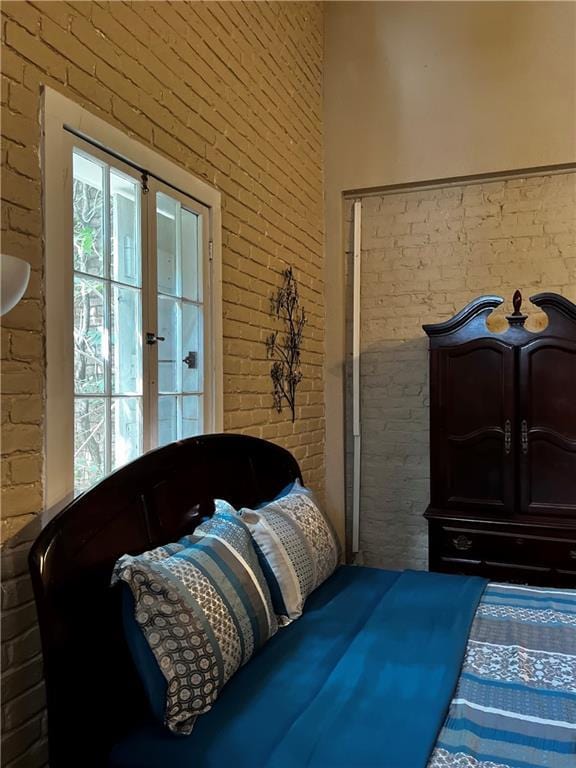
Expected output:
{"points": [[133, 304], [136, 352]]}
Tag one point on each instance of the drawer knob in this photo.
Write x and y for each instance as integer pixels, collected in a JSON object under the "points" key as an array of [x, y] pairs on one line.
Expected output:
{"points": [[462, 543], [572, 554], [519, 542]]}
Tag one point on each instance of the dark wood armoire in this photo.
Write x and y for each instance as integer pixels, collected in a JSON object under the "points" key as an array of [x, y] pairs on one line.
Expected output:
{"points": [[503, 444]]}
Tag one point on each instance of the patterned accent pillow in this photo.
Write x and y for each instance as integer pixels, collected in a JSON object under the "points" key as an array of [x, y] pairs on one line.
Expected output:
{"points": [[297, 548], [204, 608], [166, 550]]}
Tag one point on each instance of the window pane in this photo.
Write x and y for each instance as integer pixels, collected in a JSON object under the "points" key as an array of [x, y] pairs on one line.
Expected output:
{"points": [[191, 416], [167, 420], [126, 430], [89, 441], [167, 233], [126, 341], [90, 337], [169, 366], [88, 215], [191, 256], [125, 229], [192, 348]]}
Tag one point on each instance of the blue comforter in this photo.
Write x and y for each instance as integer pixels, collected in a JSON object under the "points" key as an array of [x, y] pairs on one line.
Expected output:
{"points": [[362, 680]]}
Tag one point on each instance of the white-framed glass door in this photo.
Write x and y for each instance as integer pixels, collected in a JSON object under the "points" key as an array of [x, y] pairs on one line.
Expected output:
{"points": [[178, 294], [108, 222], [141, 329]]}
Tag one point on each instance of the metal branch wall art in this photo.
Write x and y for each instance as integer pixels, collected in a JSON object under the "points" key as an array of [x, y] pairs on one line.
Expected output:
{"points": [[284, 347]]}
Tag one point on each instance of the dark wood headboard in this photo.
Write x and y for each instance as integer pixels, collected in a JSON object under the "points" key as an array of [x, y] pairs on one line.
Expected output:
{"points": [[93, 692]]}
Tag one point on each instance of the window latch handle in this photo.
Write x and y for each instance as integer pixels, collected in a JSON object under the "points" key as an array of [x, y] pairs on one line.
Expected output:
{"points": [[190, 360], [151, 338]]}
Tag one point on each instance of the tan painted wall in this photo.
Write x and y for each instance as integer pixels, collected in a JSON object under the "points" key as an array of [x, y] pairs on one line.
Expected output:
{"points": [[417, 91], [230, 91]]}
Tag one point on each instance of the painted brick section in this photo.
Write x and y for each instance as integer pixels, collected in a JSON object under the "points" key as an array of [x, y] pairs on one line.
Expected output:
{"points": [[425, 255], [231, 92]]}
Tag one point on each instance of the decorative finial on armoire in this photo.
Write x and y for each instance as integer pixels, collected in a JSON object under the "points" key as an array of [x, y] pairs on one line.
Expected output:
{"points": [[517, 317]]}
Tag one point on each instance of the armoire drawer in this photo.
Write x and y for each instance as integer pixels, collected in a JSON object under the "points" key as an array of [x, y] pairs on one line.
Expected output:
{"points": [[544, 551]]}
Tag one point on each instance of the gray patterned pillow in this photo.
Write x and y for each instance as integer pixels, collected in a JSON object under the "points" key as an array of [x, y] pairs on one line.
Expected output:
{"points": [[204, 608], [296, 546]]}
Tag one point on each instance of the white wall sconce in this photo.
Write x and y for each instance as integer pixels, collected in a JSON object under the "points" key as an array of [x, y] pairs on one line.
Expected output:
{"points": [[14, 277]]}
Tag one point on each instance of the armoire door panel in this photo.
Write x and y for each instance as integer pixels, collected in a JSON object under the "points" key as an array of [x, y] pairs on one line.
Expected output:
{"points": [[549, 463], [473, 369], [551, 385], [476, 474], [547, 467], [473, 451]]}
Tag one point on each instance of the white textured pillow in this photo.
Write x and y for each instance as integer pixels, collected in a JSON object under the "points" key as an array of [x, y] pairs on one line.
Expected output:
{"points": [[296, 546]]}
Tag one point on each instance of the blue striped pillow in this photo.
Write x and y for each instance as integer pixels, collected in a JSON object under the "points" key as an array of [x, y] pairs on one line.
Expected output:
{"points": [[204, 608]]}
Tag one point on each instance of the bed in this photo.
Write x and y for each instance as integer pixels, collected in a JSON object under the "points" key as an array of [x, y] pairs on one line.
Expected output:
{"points": [[398, 670]]}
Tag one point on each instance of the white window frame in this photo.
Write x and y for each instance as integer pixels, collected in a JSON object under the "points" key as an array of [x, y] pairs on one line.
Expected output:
{"points": [[60, 117]]}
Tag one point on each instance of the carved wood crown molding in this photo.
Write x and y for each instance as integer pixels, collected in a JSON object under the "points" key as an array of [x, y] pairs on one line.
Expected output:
{"points": [[557, 302], [481, 305], [558, 308]]}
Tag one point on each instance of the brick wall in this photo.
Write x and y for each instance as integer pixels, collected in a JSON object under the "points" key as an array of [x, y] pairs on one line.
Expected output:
{"points": [[230, 91], [425, 254]]}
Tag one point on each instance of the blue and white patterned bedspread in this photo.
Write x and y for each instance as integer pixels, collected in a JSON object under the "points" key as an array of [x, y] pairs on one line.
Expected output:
{"points": [[515, 704]]}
